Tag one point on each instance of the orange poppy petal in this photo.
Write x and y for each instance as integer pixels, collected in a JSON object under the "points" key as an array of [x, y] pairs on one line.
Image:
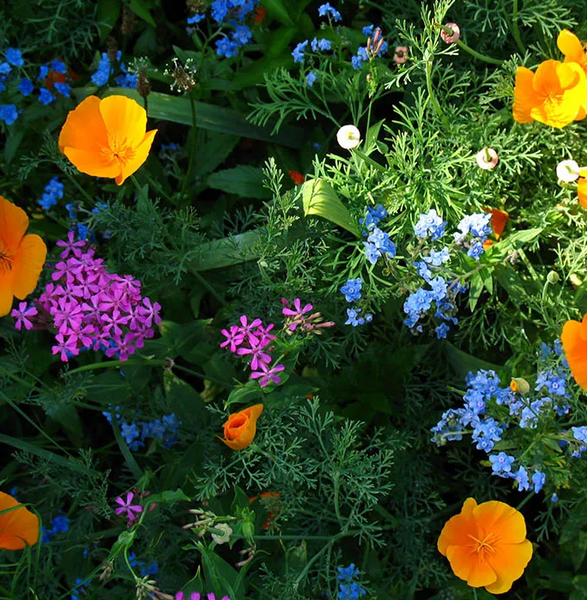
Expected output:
{"points": [[568, 43], [6, 295], [244, 435], [524, 95], [125, 119], [141, 152], [582, 192], [509, 562], [469, 565], [28, 264], [502, 521], [13, 224], [457, 529], [18, 527], [84, 128], [576, 351], [97, 164]]}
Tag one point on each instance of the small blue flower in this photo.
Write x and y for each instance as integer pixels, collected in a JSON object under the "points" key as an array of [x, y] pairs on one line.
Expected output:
{"points": [[311, 78], [538, 479], [196, 19], [63, 88], [521, 476], [327, 10], [46, 97], [25, 87], [501, 463], [352, 289], [5, 68], [8, 113], [242, 35], [43, 72], [430, 224], [442, 330], [58, 66], [14, 57], [353, 317], [368, 29], [298, 52], [226, 47], [320, 44]]}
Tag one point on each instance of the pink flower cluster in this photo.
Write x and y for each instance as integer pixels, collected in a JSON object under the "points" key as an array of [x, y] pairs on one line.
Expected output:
{"points": [[297, 317], [91, 308], [254, 341]]}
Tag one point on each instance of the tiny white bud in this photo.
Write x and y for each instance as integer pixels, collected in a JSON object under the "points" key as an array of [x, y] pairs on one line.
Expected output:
{"points": [[348, 137]]}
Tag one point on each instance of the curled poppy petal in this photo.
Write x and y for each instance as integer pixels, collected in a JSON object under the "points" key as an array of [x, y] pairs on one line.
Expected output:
{"points": [[240, 429], [19, 527]]}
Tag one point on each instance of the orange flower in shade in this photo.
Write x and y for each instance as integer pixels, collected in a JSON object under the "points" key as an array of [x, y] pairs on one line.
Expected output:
{"points": [[574, 339], [499, 218], [21, 256], [582, 187], [274, 506], [556, 94], [107, 138], [241, 427], [486, 545], [573, 49], [297, 177], [19, 527]]}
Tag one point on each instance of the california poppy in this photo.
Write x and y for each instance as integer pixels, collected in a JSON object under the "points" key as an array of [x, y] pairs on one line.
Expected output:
{"points": [[574, 339], [19, 527], [107, 138], [486, 545], [21, 256], [573, 49], [582, 188], [555, 94], [241, 427], [499, 218], [274, 508], [297, 177]]}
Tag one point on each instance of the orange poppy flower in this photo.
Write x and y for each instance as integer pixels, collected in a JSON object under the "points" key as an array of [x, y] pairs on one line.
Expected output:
{"points": [[554, 95], [107, 138], [241, 427], [573, 49], [21, 256], [486, 545], [574, 339], [19, 527], [582, 187]]}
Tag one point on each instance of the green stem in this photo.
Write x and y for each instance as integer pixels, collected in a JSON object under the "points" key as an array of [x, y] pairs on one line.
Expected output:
{"points": [[369, 160], [192, 144], [525, 500], [80, 189], [478, 55], [435, 104], [130, 459], [116, 364], [515, 30]]}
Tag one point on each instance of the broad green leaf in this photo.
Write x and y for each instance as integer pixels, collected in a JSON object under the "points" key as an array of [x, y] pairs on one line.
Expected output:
{"points": [[320, 199], [185, 402], [169, 497], [278, 9], [107, 14], [462, 362], [255, 73], [66, 415], [141, 10], [214, 118], [233, 250], [213, 152], [243, 181], [487, 279], [475, 290], [248, 393]]}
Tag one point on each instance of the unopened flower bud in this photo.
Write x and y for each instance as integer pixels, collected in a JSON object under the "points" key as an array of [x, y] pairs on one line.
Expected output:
{"points": [[128, 21], [553, 277], [348, 136], [400, 55], [249, 531], [568, 171], [519, 385], [487, 159], [450, 38]]}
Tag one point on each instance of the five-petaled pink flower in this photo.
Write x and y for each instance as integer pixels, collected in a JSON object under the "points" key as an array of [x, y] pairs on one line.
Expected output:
{"points": [[128, 508], [267, 374], [21, 313]]}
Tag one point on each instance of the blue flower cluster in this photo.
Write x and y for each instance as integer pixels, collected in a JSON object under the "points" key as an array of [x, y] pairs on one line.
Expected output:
{"points": [[349, 589], [378, 242], [311, 78], [135, 433], [106, 69], [485, 392], [317, 44], [53, 192], [62, 88], [352, 293], [233, 14], [59, 524], [8, 113], [145, 568], [473, 232]]}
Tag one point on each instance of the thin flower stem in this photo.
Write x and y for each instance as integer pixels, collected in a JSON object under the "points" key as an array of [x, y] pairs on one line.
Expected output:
{"points": [[515, 30], [478, 55], [525, 500], [80, 189], [432, 95], [192, 144], [116, 364]]}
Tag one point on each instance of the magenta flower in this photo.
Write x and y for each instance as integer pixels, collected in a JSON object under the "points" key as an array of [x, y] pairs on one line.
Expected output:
{"points": [[197, 596], [256, 351], [21, 315], [264, 332], [70, 245], [67, 347], [233, 336], [127, 507], [247, 328], [267, 374], [299, 312], [150, 312]]}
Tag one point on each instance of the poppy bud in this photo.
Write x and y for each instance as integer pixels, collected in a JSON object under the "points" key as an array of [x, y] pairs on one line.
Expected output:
{"points": [[348, 136], [553, 277], [487, 159], [400, 55], [241, 427], [450, 38], [519, 385], [568, 171]]}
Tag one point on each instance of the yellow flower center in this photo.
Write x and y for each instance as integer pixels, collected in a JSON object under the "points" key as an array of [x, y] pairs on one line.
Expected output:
{"points": [[485, 544], [118, 149], [6, 259]]}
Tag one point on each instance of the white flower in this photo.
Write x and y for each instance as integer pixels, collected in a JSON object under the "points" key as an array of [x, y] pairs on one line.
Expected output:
{"points": [[225, 537], [348, 137], [568, 171], [487, 159]]}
